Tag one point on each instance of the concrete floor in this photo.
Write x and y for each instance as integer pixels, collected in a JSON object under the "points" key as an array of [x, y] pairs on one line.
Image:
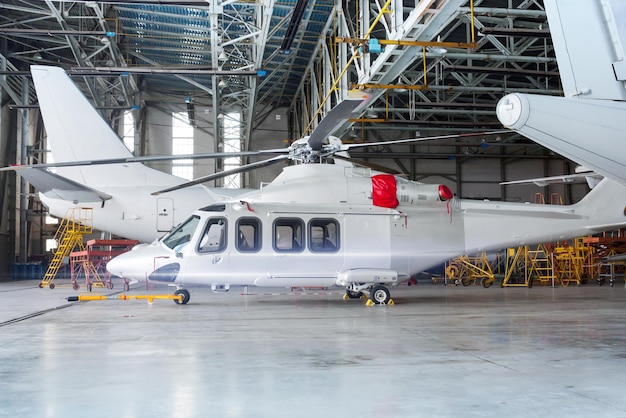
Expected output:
{"points": [[441, 351]]}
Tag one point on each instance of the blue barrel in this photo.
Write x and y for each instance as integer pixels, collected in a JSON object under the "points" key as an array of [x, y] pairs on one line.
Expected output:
{"points": [[14, 268], [18, 271]]}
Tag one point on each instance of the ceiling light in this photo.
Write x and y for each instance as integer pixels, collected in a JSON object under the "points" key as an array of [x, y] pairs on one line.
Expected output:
{"points": [[438, 50], [222, 84], [222, 56]]}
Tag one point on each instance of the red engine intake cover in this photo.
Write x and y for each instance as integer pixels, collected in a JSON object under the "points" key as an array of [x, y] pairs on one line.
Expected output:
{"points": [[384, 191]]}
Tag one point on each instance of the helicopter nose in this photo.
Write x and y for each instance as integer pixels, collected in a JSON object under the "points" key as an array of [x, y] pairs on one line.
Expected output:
{"points": [[136, 264], [126, 265]]}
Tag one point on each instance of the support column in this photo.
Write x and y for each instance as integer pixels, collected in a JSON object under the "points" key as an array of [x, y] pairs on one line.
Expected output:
{"points": [[23, 228]]}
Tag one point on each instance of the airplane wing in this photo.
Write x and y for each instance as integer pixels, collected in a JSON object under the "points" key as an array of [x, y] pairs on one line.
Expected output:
{"points": [[59, 187]]}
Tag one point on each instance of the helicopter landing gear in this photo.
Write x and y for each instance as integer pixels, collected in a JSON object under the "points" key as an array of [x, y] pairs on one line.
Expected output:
{"points": [[380, 295], [185, 295]]}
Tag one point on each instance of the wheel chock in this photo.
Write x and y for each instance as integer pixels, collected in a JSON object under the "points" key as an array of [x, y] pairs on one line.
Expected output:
{"points": [[370, 302], [345, 297]]}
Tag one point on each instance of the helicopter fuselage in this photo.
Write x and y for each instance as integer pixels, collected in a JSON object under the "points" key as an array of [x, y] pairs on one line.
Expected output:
{"points": [[324, 225]]}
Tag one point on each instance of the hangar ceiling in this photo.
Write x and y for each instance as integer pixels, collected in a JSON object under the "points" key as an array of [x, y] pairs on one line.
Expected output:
{"points": [[432, 64]]}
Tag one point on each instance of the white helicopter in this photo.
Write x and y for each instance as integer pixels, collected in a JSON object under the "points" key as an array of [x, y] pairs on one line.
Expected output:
{"points": [[324, 225], [587, 125]]}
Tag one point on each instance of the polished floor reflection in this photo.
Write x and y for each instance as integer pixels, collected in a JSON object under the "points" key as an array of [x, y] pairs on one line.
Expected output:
{"points": [[441, 351]]}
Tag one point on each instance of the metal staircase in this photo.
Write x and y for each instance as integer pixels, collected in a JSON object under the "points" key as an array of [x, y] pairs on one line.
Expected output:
{"points": [[76, 223]]}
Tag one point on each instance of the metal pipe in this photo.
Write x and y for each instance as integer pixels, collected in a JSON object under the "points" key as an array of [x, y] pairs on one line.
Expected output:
{"points": [[19, 31], [496, 11], [97, 71]]}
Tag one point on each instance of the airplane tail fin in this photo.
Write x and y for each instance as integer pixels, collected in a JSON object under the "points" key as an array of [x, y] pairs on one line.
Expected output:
{"points": [[77, 132], [592, 62]]}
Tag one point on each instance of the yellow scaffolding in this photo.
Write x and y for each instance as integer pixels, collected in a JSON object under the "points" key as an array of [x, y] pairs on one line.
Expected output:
{"points": [[76, 223], [516, 268], [471, 270], [540, 264], [550, 264]]}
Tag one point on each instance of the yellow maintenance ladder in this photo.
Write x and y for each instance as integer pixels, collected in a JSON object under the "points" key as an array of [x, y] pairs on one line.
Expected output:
{"points": [[525, 265], [471, 270], [76, 223]]}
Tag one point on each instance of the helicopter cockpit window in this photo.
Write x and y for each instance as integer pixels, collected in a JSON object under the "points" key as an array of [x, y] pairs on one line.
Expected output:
{"points": [[323, 235], [214, 236], [181, 235], [248, 235], [288, 235]]}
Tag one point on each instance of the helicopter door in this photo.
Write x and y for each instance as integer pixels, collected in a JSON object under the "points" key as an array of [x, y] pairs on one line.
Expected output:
{"points": [[367, 242], [246, 254], [165, 214], [211, 259]]}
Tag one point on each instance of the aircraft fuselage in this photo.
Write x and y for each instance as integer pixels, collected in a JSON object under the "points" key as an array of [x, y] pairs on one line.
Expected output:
{"points": [[334, 235]]}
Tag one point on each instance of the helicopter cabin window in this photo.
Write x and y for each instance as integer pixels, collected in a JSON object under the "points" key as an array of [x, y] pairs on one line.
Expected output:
{"points": [[181, 235], [288, 235], [323, 235], [214, 236], [248, 235]]}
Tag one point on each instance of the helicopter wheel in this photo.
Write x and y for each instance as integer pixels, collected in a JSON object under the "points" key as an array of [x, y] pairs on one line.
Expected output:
{"points": [[185, 294], [380, 295]]}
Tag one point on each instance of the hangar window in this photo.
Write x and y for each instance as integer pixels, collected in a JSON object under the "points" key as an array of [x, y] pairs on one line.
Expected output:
{"points": [[249, 235], [129, 130], [288, 235], [182, 144], [323, 235], [214, 236]]}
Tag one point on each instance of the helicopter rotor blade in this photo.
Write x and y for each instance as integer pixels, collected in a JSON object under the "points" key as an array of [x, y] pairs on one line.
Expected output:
{"points": [[354, 104], [346, 147], [150, 158], [225, 173]]}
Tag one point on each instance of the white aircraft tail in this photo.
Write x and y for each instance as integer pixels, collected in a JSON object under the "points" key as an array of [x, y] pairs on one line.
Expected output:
{"points": [[586, 125], [77, 132], [592, 62]]}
